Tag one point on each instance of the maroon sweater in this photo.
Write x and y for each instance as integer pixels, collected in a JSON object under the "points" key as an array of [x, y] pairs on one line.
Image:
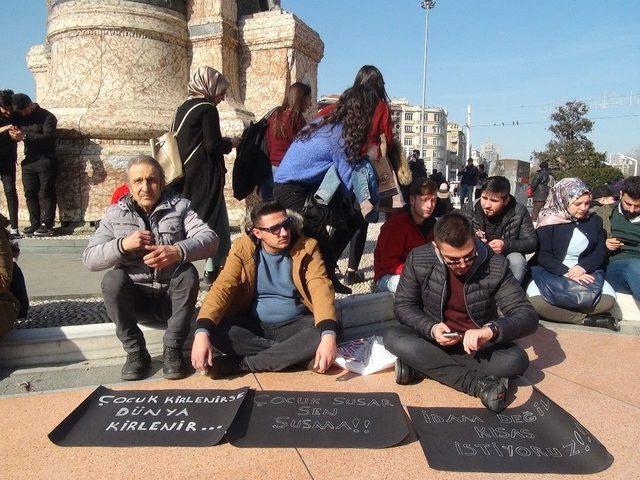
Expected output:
{"points": [[277, 145], [456, 316]]}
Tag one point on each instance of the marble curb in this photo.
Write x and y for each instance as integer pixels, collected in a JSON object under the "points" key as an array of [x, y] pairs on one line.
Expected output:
{"points": [[362, 315]]}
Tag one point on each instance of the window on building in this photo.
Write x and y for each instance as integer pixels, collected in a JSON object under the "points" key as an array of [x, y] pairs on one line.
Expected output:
{"points": [[436, 117], [408, 129], [408, 116], [408, 141], [435, 142]]}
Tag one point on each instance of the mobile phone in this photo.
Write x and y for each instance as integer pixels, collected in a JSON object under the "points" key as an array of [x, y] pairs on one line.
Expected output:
{"points": [[627, 242], [450, 334]]}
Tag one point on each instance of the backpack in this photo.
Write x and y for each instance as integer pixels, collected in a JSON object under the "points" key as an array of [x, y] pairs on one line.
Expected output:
{"points": [[165, 149], [251, 165]]}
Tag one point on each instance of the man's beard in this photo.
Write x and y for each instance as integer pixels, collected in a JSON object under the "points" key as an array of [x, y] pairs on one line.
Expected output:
{"points": [[629, 215]]}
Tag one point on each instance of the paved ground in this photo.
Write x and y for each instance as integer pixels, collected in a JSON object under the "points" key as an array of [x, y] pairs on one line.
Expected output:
{"points": [[573, 368]]}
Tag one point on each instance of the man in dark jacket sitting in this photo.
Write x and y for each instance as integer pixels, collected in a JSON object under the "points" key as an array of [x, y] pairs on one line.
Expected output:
{"points": [[447, 304], [503, 224]]}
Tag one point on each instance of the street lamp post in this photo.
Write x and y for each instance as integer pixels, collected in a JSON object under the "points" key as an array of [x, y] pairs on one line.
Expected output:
{"points": [[427, 5]]}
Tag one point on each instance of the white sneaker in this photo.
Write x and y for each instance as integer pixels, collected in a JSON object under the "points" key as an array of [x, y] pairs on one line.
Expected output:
{"points": [[14, 232]]}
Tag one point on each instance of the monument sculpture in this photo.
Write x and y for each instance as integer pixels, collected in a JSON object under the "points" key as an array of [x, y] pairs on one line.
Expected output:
{"points": [[114, 71]]}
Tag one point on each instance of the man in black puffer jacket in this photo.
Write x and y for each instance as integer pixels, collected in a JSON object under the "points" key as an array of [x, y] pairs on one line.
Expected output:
{"points": [[447, 304], [503, 224]]}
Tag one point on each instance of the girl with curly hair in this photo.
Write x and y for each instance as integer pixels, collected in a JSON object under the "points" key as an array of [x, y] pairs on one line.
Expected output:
{"points": [[349, 131]]}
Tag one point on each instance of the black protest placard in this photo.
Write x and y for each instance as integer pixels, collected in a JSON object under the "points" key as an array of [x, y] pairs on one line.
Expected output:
{"points": [[537, 437], [142, 418], [319, 420]]}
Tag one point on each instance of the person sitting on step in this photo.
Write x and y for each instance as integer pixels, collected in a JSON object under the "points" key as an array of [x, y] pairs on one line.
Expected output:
{"points": [[503, 224], [447, 303], [568, 283], [149, 238], [402, 232], [272, 305]]}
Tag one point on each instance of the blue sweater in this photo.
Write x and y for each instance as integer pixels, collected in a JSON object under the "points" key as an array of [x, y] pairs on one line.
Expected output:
{"points": [[276, 299], [308, 160]]}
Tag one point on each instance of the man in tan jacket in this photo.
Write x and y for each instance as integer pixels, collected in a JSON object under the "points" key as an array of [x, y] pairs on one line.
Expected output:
{"points": [[9, 305], [272, 305]]}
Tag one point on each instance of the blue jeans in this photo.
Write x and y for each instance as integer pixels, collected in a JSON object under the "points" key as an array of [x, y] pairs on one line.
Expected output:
{"points": [[388, 283], [517, 265], [466, 191], [624, 275], [266, 188]]}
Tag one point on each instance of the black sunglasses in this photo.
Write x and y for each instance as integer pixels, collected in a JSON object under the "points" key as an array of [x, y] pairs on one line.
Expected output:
{"points": [[275, 229], [468, 259]]}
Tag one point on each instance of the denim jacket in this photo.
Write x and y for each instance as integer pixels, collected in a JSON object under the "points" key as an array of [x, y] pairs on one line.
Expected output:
{"points": [[365, 187]]}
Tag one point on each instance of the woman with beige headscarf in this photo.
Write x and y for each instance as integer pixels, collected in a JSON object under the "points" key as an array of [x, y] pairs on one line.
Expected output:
{"points": [[202, 148]]}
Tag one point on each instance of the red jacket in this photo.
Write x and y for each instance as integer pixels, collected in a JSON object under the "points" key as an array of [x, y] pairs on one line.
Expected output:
{"points": [[278, 146], [398, 236], [380, 123]]}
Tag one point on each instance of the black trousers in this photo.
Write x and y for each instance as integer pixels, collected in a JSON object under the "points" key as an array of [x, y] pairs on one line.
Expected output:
{"points": [[8, 177], [39, 181], [126, 302], [267, 347], [357, 243], [19, 289], [452, 366], [342, 216]]}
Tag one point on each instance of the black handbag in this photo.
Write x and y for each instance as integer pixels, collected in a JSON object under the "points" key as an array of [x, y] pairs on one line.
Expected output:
{"points": [[564, 292]]}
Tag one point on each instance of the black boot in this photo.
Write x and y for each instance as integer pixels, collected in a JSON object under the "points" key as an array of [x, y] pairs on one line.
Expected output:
{"points": [[340, 288], [227, 366], [404, 373], [492, 392], [353, 276], [210, 276], [137, 365], [602, 321], [173, 366]]}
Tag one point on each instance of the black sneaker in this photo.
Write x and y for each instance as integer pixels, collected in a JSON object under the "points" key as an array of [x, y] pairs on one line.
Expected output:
{"points": [[227, 366], [492, 392], [174, 366], [340, 288], [43, 231], [137, 365], [404, 373], [30, 230], [602, 321], [352, 277]]}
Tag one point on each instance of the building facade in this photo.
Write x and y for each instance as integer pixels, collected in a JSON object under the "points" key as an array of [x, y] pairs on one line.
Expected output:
{"points": [[456, 146], [407, 125]]}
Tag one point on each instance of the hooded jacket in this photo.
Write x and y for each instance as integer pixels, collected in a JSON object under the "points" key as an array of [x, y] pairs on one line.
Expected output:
{"points": [[489, 287], [172, 222]]}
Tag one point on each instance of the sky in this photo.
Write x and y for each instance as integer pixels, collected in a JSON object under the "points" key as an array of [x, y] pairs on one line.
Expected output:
{"points": [[511, 60]]}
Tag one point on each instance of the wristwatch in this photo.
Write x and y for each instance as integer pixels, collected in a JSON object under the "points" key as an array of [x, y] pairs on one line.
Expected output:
{"points": [[495, 330]]}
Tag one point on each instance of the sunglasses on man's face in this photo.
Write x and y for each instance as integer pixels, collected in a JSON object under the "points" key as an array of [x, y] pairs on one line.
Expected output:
{"points": [[275, 229], [454, 263]]}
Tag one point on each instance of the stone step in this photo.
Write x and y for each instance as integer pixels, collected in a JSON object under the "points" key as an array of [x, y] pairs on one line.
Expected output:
{"points": [[70, 244], [362, 315]]}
